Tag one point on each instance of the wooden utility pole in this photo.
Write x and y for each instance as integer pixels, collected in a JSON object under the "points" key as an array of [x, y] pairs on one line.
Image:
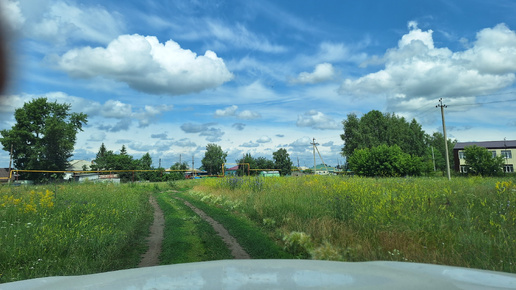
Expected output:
{"points": [[313, 144], [442, 106]]}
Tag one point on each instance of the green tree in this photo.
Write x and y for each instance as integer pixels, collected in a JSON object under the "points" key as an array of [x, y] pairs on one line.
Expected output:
{"points": [[384, 161], [481, 161], [374, 129], [177, 175], [107, 160], [282, 161], [246, 163], [213, 159], [436, 141], [43, 137]]}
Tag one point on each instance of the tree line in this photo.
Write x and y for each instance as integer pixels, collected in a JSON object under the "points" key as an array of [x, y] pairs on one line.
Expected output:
{"points": [[376, 144], [383, 145]]}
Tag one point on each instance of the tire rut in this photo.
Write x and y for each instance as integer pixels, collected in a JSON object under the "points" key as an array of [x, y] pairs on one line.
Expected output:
{"points": [[236, 250]]}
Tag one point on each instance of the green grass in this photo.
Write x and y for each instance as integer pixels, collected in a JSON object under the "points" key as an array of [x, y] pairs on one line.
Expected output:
{"points": [[250, 236], [71, 229], [468, 222], [187, 238]]}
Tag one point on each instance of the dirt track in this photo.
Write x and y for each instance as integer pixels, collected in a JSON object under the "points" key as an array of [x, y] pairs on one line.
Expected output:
{"points": [[154, 241]]}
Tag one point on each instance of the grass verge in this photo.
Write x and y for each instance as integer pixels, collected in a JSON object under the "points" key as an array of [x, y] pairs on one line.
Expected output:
{"points": [[187, 238], [250, 236]]}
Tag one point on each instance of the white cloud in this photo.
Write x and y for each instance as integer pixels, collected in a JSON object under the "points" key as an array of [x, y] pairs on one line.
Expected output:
{"points": [[250, 144], [147, 65], [248, 115], [418, 70], [211, 134], [229, 111], [264, 139], [59, 21], [323, 72], [232, 112], [316, 120], [11, 15]]}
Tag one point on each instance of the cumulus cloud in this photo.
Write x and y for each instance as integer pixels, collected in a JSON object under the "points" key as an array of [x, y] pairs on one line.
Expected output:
{"points": [[264, 139], [418, 69], [232, 112], [323, 72], [229, 111], [125, 114], [238, 126], [206, 130], [301, 145], [316, 120], [147, 65]]}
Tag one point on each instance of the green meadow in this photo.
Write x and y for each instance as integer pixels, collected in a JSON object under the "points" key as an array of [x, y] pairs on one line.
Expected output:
{"points": [[71, 229], [468, 222], [77, 229]]}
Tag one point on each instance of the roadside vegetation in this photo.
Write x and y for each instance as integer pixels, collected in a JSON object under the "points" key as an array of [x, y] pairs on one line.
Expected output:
{"points": [[469, 222], [71, 229]]}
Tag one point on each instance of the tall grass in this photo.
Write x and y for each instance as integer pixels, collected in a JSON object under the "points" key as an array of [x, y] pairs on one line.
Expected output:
{"points": [[71, 229], [465, 222]]}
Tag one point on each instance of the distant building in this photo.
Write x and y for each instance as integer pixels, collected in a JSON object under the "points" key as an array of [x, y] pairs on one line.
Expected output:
{"points": [[322, 169], [504, 148], [76, 165], [232, 171]]}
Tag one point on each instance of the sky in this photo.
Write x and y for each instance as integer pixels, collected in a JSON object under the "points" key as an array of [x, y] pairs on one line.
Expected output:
{"points": [[170, 77]]}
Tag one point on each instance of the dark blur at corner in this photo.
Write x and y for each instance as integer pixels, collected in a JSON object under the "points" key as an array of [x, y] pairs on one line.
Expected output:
{"points": [[3, 59]]}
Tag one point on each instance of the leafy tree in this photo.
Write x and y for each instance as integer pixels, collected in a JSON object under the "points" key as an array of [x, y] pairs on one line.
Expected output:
{"points": [[384, 161], [213, 159], [43, 137], [264, 163], [107, 160], [282, 161], [374, 129], [436, 141], [481, 161], [177, 175], [246, 163]]}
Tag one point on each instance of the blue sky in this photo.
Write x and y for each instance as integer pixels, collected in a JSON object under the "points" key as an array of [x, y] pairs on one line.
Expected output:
{"points": [[170, 77]]}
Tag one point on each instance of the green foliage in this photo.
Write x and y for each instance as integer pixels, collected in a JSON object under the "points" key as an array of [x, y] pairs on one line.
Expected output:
{"points": [[384, 161], [213, 159], [43, 137], [468, 222], [374, 129], [71, 230], [188, 238], [282, 161], [480, 161], [436, 141]]}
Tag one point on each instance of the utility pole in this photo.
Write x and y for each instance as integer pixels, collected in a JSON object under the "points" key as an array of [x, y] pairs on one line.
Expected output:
{"points": [[433, 157], [313, 144], [442, 106], [193, 168]]}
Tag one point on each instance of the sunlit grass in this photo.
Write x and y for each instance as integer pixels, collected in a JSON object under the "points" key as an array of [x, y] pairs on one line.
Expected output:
{"points": [[71, 229], [467, 222]]}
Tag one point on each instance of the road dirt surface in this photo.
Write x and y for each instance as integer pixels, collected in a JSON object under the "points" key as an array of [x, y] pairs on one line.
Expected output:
{"points": [[236, 250], [151, 257], [155, 239]]}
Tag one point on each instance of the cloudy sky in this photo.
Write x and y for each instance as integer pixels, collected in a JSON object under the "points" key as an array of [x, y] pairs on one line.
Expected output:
{"points": [[170, 77]]}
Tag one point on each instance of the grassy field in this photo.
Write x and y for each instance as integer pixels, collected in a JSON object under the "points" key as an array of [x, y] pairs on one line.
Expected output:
{"points": [[468, 222], [71, 229]]}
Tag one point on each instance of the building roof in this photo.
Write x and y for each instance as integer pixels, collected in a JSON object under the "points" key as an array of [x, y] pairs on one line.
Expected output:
{"points": [[4, 172], [76, 165], [487, 144]]}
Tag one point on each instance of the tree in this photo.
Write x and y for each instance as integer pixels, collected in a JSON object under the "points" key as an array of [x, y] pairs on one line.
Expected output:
{"points": [[213, 159], [385, 161], [436, 141], [282, 161], [374, 129], [177, 175], [43, 137], [245, 164], [107, 160], [481, 161]]}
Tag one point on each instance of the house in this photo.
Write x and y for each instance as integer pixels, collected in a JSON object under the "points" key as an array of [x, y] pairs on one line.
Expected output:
{"points": [[504, 148], [76, 165], [232, 171]]}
